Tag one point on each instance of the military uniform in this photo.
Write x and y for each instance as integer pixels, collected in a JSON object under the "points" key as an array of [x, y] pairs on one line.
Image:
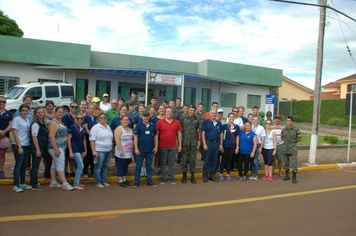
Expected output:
{"points": [[137, 103], [201, 117], [290, 150], [191, 127], [177, 111]]}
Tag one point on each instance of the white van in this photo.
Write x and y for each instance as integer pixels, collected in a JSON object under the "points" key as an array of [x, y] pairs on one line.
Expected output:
{"points": [[62, 94]]}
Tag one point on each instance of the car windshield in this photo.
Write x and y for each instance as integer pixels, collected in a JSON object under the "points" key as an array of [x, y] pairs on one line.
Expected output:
{"points": [[14, 92]]}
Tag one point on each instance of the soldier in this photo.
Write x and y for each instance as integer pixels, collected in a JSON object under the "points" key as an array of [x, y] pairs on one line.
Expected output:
{"points": [[191, 139], [291, 136], [133, 99], [153, 104], [201, 115]]}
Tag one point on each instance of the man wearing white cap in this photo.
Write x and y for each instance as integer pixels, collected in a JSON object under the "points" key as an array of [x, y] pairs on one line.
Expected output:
{"points": [[105, 104]]}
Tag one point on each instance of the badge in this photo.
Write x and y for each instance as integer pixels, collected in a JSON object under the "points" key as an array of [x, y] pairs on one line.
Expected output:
{"points": [[147, 132], [232, 131]]}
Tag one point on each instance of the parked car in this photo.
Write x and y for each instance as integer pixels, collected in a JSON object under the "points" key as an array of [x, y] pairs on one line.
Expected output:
{"points": [[62, 94]]}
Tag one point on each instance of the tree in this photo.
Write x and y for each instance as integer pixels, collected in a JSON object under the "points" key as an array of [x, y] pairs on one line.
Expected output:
{"points": [[9, 27]]}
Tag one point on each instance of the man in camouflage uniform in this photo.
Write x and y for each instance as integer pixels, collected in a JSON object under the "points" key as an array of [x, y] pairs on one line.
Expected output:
{"points": [[291, 136], [201, 115], [178, 109], [191, 126], [133, 100]]}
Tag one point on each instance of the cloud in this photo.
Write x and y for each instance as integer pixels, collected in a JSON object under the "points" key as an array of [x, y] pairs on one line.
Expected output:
{"points": [[255, 32]]}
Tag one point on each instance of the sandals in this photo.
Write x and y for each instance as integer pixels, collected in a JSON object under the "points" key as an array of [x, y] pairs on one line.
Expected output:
{"points": [[78, 187]]}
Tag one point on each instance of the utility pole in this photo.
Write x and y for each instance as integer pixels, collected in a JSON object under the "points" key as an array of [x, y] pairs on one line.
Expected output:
{"points": [[317, 86]]}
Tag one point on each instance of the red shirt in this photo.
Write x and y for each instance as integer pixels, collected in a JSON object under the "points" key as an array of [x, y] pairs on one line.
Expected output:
{"points": [[168, 132]]}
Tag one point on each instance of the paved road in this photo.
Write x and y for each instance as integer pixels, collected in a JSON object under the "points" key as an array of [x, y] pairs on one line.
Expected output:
{"points": [[322, 203]]}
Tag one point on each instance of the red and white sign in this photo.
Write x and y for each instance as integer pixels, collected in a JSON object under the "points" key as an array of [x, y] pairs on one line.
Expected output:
{"points": [[156, 78]]}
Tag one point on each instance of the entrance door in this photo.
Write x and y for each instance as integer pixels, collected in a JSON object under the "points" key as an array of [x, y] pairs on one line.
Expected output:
{"points": [[206, 99]]}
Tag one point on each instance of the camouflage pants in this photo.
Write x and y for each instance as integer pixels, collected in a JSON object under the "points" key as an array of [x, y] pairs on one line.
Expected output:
{"points": [[287, 158], [189, 156]]}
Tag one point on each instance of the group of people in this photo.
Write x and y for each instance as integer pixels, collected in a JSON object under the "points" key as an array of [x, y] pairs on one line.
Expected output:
{"points": [[156, 136]]}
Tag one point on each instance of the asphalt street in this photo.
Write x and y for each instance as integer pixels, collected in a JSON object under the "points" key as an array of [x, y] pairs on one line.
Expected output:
{"points": [[321, 203]]}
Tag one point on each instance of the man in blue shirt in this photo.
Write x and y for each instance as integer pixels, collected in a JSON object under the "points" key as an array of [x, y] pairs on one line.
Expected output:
{"points": [[212, 138], [145, 141]]}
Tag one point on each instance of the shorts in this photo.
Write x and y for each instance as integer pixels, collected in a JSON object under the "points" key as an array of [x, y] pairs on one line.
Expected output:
{"points": [[57, 162], [279, 154]]}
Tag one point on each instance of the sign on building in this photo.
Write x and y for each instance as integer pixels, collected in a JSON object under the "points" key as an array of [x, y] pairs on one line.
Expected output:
{"points": [[157, 78]]}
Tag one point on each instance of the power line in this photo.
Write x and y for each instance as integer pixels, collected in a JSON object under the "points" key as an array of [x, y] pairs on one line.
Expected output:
{"points": [[315, 5]]}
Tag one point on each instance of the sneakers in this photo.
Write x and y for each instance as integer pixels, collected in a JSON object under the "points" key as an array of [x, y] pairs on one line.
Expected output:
{"points": [[265, 177], [222, 178], [244, 178], [152, 184], [127, 183], [25, 186], [122, 184], [2, 175], [239, 177], [38, 187], [229, 178], [254, 177], [171, 181], [67, 187], [17, 189], [163, 182], [136, 185], [55, 185], [270, 179]]}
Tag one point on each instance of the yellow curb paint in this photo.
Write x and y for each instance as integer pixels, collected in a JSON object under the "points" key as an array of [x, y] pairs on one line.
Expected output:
{"points": [[198, 175], [166, 208]]}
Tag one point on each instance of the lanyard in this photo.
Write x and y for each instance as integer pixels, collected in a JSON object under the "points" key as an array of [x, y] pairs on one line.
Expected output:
{"points": [[228, 125], [80, 133]]}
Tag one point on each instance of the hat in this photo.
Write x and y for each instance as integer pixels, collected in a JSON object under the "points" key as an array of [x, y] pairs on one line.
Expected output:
{"points": [[105, 95], [145, 113], [4, 142], [268, 113], [132, 103], [192, 106], [96, 99], [278, 117], [220, 110], [289, 117], [134, 92]]}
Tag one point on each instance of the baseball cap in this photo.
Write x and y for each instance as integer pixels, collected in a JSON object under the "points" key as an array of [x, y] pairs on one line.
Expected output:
{"points": [[96, 99], [268, 113], [105, 95], [145, 113], [278, 116], [220, 110]]}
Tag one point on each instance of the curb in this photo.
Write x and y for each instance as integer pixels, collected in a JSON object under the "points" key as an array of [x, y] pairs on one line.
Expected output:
{"points": [[115, 179]]}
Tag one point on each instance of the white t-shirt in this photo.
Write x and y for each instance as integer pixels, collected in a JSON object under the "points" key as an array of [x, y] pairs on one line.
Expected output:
{"points": [[260, 132], [278, 131], [238, 121], [269, 142], [105, 107], [22, 126], [102, 136]]}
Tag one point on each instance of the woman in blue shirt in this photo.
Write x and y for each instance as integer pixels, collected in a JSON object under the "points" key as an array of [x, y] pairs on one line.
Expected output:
{"points": [[231, 134], [77, 147], [89, 121], [248, 145]]}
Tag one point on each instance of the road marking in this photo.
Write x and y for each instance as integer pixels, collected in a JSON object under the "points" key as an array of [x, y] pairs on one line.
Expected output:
{"points": [[166, 208], [352, 171]]}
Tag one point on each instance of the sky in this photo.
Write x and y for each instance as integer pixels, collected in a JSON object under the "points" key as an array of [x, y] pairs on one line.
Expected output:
{"points": [[254, 32]]}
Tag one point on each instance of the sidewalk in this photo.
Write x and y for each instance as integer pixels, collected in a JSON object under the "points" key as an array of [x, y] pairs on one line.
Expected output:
{"points": [[327, 157]]}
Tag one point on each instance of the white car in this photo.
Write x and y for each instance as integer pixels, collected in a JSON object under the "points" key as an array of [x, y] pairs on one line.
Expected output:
{"points": [[62, 94]]}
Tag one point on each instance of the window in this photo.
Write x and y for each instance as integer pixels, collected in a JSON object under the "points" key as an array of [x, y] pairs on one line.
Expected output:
{"points": [[351, 87], [35, 93], [67, 91], [228, 99], [6, 83], [253, 100], [52, 91]]}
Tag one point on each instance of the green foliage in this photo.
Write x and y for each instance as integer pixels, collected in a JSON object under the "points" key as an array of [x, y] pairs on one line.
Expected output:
{"points": [[302, 111], [346, 141], [333, 139], [338, 122], [9, 27], [326, 138], [261, 114]]}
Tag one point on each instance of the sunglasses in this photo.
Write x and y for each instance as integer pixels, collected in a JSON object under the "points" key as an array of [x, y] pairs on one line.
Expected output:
{"points": [[2, 101], [234, 111], [79, 118], [74, 107]]}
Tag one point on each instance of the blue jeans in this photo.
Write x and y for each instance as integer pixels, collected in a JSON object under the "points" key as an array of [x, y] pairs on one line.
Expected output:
{"points": [[148, 156], [254, 164], [21, 162], [210, 158], [78, 158], [36, 161], [101, 167]]}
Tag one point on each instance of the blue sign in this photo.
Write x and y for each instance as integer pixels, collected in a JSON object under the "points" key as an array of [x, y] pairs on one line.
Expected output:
{"points": [[270, 99]]}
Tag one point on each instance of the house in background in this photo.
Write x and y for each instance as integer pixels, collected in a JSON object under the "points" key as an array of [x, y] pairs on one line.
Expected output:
{"points": [[292, 91], [339, 88]]}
